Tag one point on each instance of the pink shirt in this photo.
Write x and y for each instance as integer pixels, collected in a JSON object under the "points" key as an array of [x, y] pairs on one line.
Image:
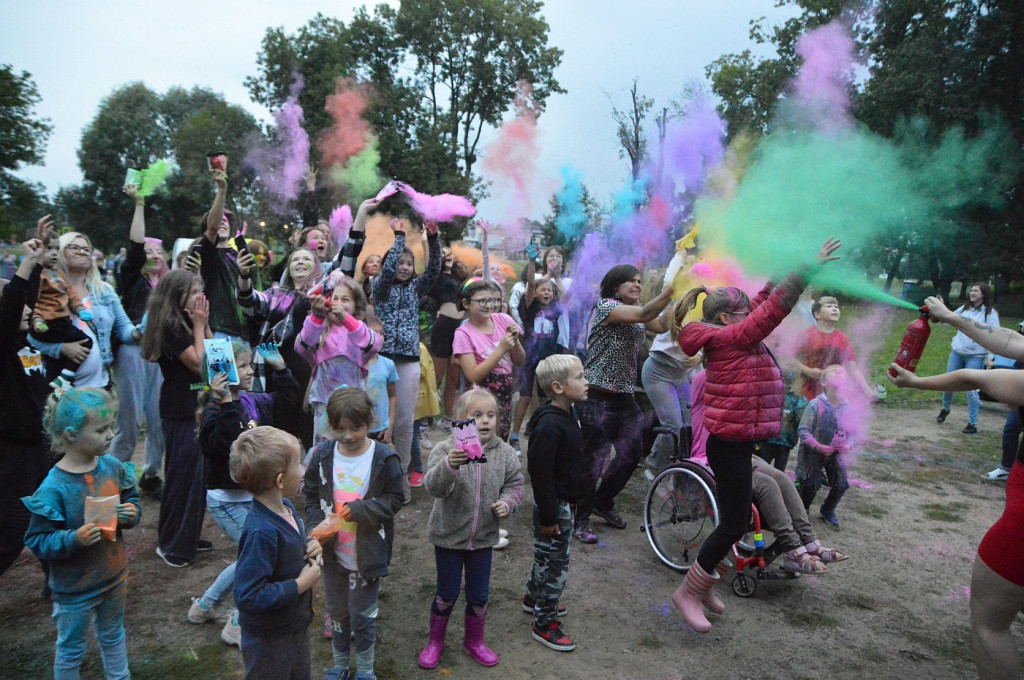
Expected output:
{"points": [[470, 340]]}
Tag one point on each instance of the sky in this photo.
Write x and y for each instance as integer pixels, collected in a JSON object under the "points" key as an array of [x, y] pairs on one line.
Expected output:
{"points": [[79, 51]]}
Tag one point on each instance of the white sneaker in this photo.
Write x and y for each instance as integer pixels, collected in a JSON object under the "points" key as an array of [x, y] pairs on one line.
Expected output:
{"points": [[424, 441], [198, 614], [445, 425], [232, 632], [997, 475], [502, 542], [502, 533]]}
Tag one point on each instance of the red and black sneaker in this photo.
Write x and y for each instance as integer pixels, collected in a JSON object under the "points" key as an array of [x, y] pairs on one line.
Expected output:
{"points": [[529, 604], [552, 636]]}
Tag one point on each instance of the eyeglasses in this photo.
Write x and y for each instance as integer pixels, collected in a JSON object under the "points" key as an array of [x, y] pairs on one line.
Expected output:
{"points": [[487, 302], [79, 249]]}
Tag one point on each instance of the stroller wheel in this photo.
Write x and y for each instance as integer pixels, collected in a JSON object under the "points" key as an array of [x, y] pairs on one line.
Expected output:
{"points": [[744, 586]]}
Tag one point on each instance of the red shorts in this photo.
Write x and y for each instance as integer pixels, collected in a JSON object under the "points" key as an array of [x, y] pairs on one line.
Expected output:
{"points": [[1002, 549]]}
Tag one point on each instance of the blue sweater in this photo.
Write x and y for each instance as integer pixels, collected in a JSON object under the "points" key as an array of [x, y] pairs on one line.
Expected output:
{"points": [[78, 572], [271, 554]]}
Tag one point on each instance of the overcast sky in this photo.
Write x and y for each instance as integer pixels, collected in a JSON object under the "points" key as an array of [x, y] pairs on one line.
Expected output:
{"points": [[80, 51]]}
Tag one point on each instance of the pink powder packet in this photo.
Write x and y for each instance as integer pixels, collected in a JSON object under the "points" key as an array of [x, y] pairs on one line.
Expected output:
{"points": [[466, 439]]}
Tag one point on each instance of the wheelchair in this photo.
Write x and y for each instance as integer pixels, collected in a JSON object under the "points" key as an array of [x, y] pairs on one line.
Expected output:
{"points": [[680, 512]]}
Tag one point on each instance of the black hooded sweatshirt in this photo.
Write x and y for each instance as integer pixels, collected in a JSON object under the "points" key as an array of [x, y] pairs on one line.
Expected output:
{"points": [[555, 460], [23, 382]]}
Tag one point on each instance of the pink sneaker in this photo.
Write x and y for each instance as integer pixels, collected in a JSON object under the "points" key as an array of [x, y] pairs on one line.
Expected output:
{"points": [[415, 479]]}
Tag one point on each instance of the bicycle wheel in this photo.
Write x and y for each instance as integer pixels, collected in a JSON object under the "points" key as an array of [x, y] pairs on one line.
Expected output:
{"points": [[679, 513]]}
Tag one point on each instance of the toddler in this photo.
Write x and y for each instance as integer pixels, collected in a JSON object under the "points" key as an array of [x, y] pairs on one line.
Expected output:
{"points": [[822, 445]]}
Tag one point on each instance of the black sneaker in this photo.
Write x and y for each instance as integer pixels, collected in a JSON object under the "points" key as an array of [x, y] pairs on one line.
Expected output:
{"points": [[171, 560], [613, 518], [583, 533], [970, 429], [204, 545], [151, 485], [941, 418], [529, 604], [829, 517], [552, 636]]}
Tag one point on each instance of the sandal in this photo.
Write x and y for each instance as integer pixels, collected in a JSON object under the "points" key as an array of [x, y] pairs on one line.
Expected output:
{"points": [[804, 563], [829, 555]]}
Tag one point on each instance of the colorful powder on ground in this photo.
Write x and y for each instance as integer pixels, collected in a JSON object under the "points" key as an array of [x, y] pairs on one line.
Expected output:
{"points": [[348, 135], [154, 177], [362, 172], [860, 483]]}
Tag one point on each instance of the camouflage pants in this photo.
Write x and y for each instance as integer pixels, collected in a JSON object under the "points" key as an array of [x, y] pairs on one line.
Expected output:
{"points": [[550, 565]]}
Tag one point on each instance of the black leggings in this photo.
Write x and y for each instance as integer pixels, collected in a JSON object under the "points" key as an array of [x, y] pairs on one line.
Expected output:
{"points": [[730, 461]]}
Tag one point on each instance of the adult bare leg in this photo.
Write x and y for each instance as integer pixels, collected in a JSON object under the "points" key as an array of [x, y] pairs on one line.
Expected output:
{"points": [[995, 603]]}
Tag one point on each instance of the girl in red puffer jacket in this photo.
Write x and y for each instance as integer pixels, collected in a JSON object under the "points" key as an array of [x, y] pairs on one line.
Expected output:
{"points": [[743, 397]]}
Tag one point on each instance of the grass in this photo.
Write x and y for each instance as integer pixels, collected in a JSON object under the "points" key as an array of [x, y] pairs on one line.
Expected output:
{"points": [[870, 510], [808, 619], [945, 512], [650, 642]]}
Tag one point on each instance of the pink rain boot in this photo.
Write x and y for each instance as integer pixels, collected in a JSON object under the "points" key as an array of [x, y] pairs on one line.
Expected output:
{"points": [[431, 654], [474, 644], [712, 601], [689, 594]]}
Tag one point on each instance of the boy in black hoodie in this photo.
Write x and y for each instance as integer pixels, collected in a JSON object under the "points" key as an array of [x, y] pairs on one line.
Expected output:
{"points": [[24, 460], [555, 462]]}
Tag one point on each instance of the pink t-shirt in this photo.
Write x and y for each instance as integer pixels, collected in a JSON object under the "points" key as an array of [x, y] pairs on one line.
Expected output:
{"points": [[470, 340]]}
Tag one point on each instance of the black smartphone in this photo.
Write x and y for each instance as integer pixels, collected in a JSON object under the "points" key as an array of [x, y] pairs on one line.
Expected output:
{"points": [[240, 245]]}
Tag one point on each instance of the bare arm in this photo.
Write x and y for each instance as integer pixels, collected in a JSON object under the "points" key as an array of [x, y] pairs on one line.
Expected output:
{"points": [[531, 285], [646, 314], [1005, 384], [216, 215], [137, 232], [1002, 341]]}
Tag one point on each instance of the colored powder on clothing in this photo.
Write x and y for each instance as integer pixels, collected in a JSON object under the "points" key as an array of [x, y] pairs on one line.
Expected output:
{"points": [[362, 172], [154, 177], [282, 163], [349, 132]]}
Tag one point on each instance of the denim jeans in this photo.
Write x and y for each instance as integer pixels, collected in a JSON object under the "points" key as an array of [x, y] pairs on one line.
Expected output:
{"points": [[416, 456], [352, 604], [450, 565], [230, 516], [956, 362], [106, 611], [1011, 437], [138, 391]]}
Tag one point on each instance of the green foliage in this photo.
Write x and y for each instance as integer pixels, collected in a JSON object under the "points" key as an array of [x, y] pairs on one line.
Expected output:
{"points": [[135, 127], [23, 138]]}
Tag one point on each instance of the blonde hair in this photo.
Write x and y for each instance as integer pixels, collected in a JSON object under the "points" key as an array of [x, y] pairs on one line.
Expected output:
{"points": [[556, 368], [259, 455], [461, 407], [93, 281]]}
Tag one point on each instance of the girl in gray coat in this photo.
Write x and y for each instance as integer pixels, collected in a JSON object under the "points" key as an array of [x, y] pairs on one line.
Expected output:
{"points": [[469, 499]]}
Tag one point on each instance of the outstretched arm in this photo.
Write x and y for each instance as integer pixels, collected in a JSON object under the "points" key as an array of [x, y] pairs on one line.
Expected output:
{"points": [[995, 339], [1005, 384]]}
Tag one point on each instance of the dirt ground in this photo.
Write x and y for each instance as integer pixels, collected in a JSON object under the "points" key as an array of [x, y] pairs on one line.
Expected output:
{"points": [[898, 608]]}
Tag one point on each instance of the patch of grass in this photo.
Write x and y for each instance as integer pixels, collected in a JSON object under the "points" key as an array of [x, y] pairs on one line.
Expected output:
{"points": [[808, 619], [205, 661], [650, 641], [945, 512], [871, 510]]}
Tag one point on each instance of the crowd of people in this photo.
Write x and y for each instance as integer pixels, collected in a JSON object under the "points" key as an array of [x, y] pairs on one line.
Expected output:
{"points": [[342, 359]]}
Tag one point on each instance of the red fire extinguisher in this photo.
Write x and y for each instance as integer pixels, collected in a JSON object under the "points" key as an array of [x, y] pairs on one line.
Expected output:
{"points": [[912, 345]]}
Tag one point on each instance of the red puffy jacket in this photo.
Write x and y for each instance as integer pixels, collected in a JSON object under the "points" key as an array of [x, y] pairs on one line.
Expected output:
{"points": [[743, 392]]}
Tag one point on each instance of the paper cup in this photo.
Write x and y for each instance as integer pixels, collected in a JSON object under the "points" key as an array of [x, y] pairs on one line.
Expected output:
{"points": [[133, 177], [217, 160]]}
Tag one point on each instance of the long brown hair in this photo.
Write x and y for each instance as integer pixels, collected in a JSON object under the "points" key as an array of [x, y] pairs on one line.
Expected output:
{"points": [[720, 300], [986, 297], [166, 310]]}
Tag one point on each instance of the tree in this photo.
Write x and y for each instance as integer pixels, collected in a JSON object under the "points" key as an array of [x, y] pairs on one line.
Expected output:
{"points": [[135, 126], [22, 142], [629, 128]]}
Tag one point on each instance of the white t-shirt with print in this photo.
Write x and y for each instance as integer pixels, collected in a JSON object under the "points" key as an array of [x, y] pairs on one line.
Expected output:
{"points": [[351, 476]]}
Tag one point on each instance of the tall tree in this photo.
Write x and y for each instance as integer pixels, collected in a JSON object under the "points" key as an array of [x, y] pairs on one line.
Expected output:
{"points": [[629, 128], [23, 137]]}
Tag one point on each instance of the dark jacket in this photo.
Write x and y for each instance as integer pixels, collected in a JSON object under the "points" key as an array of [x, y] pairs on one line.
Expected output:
{"points": [[134, 287], [555, 460], [397, 305], [271, 555], [373, 515], [222, 423], [22, 372], [743, 391]]}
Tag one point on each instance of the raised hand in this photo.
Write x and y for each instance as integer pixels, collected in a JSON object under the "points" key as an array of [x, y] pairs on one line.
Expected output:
{"points": [[397, 226], [827, 249], [430, 227], [34, 250], [938, 310], [45, 228], [220, 388], [246, 263], [220, 178], [271, 353], [200, 311], [318, 306], [193, 262]]}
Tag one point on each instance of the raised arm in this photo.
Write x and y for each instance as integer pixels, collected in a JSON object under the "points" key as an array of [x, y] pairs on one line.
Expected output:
{"points": [[646, 314], [425, 281], [1002, 341], [137, 232], [216, 215]]}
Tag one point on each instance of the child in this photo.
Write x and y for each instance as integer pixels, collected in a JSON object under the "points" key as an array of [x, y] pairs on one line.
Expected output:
{"points": [[544, 325], [88, 563], [277, 565], [555, 461], [488, 345], [427, 406], [823, 345], [338, 349], [51, 316], [743, 399], [361, 480], [225, 412], [822, 443], [469, 499], [396, 300], [380, 385]]}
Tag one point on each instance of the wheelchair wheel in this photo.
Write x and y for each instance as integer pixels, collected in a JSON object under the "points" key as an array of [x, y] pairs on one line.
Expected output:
{"points": [[679, 513]]}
